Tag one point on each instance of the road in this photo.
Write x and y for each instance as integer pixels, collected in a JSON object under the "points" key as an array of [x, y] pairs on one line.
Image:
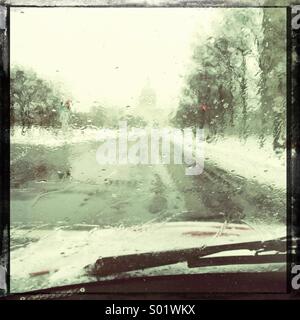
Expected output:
{"points": [[65, 186]]}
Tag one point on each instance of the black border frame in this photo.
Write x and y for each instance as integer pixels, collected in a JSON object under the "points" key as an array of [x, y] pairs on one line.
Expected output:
{"points": [[5, 143]]}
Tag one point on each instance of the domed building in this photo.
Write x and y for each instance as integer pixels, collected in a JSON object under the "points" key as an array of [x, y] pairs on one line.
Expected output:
{"points": [[147, 97], [147, 105]]}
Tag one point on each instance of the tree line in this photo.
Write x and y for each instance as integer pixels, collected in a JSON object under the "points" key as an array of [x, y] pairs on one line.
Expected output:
{"points": [[36, 102], [237, 83]]}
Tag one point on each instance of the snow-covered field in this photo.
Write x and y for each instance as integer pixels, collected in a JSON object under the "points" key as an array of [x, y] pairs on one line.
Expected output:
{"points": [[249, 160], [57, 137]]}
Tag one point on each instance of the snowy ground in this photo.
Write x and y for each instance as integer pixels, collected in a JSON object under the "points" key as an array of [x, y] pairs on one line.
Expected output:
{"points": [[249, 160]]}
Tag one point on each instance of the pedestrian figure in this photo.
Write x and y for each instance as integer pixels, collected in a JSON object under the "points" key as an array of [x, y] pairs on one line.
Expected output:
{"points": [[64, 114]]}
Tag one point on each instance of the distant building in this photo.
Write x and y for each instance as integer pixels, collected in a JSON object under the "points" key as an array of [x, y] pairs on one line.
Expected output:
{"points": [[148, 96], [147, 104]]}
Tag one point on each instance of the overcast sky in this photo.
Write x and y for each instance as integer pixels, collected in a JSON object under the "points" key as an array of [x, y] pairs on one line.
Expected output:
{"points": [[107, 54]]}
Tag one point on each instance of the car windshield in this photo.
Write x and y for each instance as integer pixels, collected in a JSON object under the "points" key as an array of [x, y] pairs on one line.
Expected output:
{"points": [[143, 131]]}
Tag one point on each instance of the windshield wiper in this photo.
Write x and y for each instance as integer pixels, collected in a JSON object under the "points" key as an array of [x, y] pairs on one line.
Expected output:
{"points": [[193, 256]]}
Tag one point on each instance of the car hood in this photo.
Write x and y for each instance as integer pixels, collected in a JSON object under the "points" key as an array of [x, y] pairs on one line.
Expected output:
{"points": [[59, 256]]}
